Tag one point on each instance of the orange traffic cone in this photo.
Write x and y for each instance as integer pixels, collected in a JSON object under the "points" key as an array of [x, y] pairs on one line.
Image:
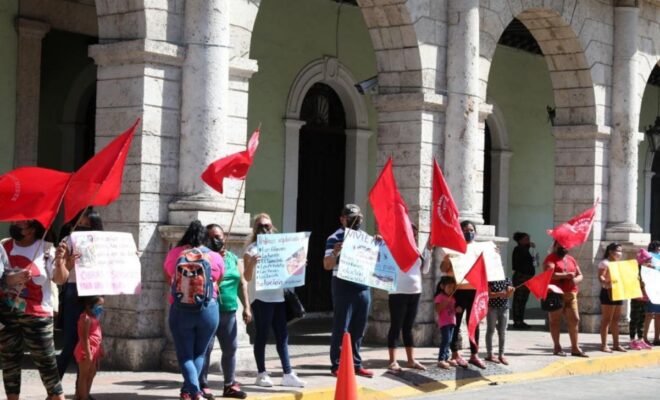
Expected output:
{"points": [[346, 388]]}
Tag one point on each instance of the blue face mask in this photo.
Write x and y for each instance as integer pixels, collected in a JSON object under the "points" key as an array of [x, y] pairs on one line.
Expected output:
{"points": [[97, 310], [469, 236]]}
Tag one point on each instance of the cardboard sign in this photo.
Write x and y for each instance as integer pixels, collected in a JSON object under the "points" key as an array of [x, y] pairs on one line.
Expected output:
{"points": [[283, 260], [462, 263], [364, 261], [651, 279], [625, 280], [108, 263]]}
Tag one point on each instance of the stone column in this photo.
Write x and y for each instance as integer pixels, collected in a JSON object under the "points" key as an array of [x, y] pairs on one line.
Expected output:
{"points": [[204, 109], [463, 164], [28, 90], [625, 138], [357, 157], [410, 130], [291, 150]]}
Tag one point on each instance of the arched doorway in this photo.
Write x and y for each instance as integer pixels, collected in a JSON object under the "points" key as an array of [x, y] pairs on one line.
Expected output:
{"points": [[321, 165]]}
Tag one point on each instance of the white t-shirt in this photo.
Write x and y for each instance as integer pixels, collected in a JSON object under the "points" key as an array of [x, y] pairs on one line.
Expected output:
{"points": [[33, 298], [4, 260], [411, 282], [267, 296], [72, 273]]}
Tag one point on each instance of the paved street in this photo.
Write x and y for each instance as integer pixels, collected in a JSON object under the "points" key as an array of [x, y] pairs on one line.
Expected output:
{"points": [[638, 384]]}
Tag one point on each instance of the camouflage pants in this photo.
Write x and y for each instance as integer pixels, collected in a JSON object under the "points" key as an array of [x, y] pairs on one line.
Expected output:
{"points": [[34, 334]]}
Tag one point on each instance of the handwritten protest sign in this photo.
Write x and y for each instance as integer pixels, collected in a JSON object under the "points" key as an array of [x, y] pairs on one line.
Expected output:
{"points": [[283, 260], [364, 261], [462, 263], [651, 278], [108, 263], [625, 280]]}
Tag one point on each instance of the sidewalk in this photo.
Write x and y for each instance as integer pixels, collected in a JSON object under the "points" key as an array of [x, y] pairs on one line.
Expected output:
{"points": [[529, 354]]}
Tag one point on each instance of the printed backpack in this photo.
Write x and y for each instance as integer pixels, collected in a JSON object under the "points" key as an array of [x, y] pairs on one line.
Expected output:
{"points": [[192, 284]]}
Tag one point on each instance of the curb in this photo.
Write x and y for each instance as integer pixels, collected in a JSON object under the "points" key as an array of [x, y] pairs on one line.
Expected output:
{"points": [[599, 365]]}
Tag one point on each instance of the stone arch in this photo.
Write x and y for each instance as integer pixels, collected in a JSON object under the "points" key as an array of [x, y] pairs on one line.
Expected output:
{"points": [[330, 71], [579, 63]]}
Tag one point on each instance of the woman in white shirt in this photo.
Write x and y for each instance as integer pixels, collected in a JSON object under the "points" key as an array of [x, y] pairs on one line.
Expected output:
{"points": [[403, 304]]}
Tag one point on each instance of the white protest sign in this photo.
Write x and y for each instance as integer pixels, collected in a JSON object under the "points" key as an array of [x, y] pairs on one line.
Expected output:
{"points": [[462, 263], [359, 262], [283, 260], [651, 279], [108, 263]]}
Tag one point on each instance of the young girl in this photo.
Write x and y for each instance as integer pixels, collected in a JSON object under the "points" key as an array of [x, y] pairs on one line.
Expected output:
{"points": [[610, 309], [88, 351], [637, 306], [445, 306]]}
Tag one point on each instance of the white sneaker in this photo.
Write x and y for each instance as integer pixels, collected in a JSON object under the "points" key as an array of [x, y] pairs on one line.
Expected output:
{"points": [[292, 380], [263, 380]]}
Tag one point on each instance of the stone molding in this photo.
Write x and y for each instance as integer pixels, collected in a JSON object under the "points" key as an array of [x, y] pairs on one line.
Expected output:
{"points": [[627, 3], [30, 28], [243, 68], [577, 132], [410, 102], [138, 52]]}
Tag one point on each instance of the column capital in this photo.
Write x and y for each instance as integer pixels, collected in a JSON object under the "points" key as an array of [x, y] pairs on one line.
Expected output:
{"points": [[32, 28], [578, 132], [243, 68], [485, 110], [137, 52], [410, 102]]}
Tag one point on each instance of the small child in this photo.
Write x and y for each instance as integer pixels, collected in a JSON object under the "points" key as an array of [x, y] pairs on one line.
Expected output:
{"points": [[88, 351], [498, 317], [445, 306]]}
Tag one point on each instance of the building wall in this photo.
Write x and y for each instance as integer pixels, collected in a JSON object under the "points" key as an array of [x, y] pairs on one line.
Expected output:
{"points": [[287, 36], [519, 85], [649, 111]]}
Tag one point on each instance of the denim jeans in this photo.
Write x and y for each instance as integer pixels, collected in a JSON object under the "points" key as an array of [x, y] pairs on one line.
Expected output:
{"points": [[192, 331], [496, 318], [267, 316], [351, 304], [227, 336], [71, 311], [447, 332]]}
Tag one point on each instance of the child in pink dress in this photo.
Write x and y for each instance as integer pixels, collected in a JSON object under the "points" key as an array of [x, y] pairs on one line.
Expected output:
{"points": [[88, 351]]}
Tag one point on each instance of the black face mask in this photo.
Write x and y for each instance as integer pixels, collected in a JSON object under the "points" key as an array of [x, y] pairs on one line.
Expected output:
{"points": [[16, 233], [354, 223], [561, 252], [216, 244]]}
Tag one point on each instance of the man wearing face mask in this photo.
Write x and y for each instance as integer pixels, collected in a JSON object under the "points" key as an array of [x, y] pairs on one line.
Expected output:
{"points": [[350, 300], [566, 276], [522, 262], [227, 332]]}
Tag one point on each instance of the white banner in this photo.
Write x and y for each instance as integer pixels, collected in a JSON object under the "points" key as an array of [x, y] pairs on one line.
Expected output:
{"points": [[462, 263], [651, 279], [363, 261], [283, 260], [108, 263]]}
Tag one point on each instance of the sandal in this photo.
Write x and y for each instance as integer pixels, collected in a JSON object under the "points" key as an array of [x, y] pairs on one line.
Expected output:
{"points": [[416, 365], [491, 359], [443, 364], [503, 360], [460, 361], [619, 349], [559, 352], [394, 367], [579, 353], [604, 349]]}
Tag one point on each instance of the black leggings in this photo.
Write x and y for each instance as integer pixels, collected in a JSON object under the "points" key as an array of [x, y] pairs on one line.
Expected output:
{"points": [[403, 310], [464, 299]]}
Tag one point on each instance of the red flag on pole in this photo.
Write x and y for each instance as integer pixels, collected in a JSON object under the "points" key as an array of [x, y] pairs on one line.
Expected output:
{"points": [[538, 285], [445, 227], [98, 182], [394, 224], [477, 278], [32, 193], [575, 231], [235, 165]]}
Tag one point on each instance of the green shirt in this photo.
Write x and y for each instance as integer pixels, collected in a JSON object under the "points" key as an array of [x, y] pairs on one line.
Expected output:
{"points": [[229, 284]]}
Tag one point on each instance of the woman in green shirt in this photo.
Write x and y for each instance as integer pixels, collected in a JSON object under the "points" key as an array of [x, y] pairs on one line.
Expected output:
{"points": [[227, 332]]}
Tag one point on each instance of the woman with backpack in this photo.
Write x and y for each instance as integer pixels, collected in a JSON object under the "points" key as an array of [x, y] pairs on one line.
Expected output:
{"points": [[192, 269], [268, 312]]}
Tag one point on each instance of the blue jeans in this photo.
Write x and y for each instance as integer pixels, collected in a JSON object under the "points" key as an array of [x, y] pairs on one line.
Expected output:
{"points": [[351, 303], [71, 311], [227, 336], [267, 316], [447, 332], [192, 331]]}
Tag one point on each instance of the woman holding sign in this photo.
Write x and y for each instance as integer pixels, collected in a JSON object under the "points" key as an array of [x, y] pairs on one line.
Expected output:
{"points": [[610, 309], [268, 311]]}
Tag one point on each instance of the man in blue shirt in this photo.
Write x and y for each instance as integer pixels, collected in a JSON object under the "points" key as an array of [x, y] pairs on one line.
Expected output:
{"points": [[350, 300]]}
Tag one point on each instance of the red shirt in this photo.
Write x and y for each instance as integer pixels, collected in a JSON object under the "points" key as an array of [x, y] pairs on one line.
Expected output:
{"points": [[566, 264]]}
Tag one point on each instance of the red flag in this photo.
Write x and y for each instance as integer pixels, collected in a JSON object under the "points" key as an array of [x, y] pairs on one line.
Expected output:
{"points": [[445, 227], [576, 230], [32, 193], [235, 165], [477, 278], [98, 182], [394, 224], [538, 285]]}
